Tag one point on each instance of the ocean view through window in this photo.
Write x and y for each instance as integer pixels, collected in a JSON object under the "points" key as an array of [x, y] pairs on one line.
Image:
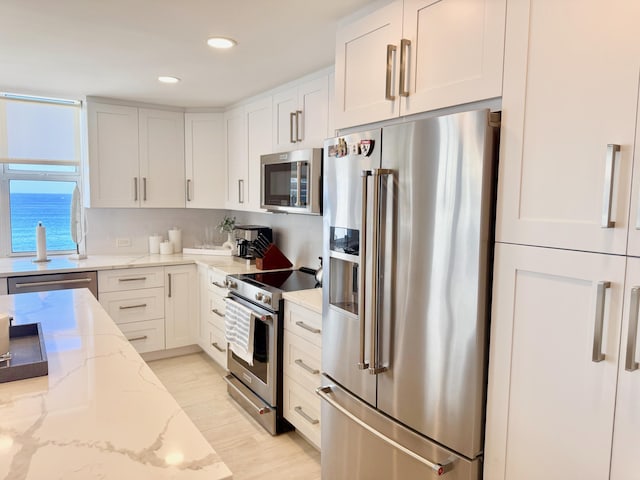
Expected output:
{"points": [[48, 202]]}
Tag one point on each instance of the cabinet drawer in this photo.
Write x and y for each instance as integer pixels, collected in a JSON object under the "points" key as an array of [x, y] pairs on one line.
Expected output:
{"points": [[302, 360], [302, 409], [217, 279], [217, 309], [303, 322], [146, 336], [130, 279], [216, 346], [134, 305]]}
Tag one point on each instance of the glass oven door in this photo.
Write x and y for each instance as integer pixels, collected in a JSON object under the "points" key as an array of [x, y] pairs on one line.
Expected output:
{"points": [[259, 377]]}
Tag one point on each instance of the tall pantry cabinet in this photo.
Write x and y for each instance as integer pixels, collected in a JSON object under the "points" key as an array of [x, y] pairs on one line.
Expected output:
{"points": [[564, 398]]}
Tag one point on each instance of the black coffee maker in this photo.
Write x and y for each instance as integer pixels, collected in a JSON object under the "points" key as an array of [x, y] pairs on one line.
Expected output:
{"points": [[248, 238]]}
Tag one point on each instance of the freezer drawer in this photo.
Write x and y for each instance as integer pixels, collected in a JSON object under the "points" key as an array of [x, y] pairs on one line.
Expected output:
{"points": [[360, 443]]}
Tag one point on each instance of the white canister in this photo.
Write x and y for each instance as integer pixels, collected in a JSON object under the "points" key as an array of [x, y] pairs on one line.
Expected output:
{"points": [[154, 244], [166, 248], [175, 237]]}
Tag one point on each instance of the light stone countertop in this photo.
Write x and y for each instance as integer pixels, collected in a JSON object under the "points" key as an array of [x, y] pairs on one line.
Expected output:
{"points": [[16, 266], [311, 299], [101, 413]]}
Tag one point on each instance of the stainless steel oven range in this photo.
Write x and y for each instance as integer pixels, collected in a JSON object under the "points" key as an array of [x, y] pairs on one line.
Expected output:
{"points": [[258, 387]]}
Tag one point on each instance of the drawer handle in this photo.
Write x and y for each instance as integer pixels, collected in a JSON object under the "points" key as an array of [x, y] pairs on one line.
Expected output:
{"points": [[219, 285], [134, 339], [307, 327], [217, 347], [127, 307], [214, 310], [132, 279], [309, 369], [311, 420]]}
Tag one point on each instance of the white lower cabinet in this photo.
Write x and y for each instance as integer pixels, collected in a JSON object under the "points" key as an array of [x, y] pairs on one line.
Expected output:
{"points": [[180, 305], [155, 313], [302, 367], [554, 367], [212, 309]]}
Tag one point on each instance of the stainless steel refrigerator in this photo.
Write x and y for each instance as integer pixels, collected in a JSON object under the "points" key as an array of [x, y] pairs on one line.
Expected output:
{"points": [[408, 233]]}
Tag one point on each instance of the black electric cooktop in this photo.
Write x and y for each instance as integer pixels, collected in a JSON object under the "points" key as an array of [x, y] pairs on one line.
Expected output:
{"points": [[285, 280]]}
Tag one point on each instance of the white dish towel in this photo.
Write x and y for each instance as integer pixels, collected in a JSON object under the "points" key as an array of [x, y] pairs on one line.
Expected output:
{"points": [[239, 330]]}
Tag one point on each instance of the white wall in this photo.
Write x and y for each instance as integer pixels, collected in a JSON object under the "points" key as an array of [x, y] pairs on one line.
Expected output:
{"points": [[298, 236]]}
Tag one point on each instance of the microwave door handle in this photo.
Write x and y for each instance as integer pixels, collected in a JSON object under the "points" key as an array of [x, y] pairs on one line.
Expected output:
{"points": [[362, 364], [298, 181]]}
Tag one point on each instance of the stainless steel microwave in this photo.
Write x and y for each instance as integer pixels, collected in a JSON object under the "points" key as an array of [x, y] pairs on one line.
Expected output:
{"points": [[292, 181]]}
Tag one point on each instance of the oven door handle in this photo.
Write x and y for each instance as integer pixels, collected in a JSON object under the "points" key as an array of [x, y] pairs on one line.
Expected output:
{"points": [[265, 318]]}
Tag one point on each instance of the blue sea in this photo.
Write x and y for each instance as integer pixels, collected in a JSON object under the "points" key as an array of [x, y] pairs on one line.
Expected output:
{"points": [[52, 209]]}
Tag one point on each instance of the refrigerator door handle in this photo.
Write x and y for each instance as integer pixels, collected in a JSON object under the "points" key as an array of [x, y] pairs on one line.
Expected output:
{"points": [[365, 174], [375, 367], [438, 468]]}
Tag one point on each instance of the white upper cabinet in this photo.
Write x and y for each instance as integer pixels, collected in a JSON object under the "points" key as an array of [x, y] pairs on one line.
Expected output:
{"points": [[114, 172], [205, 163], [136, 157], [365, 79], [569, 123], [162, 158], [235, 135], [454, 53], [418, 55], [259, 142], [301, 115]]}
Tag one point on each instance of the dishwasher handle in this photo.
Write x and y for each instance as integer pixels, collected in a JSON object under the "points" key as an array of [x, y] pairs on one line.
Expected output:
{"points": [[53, 282]]}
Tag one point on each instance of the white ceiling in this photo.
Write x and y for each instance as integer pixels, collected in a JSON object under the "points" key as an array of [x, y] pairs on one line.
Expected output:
{"points": [[117, 48]]}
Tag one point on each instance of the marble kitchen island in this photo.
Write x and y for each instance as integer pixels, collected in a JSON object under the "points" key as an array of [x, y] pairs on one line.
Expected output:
{"points": [[101, 412]]}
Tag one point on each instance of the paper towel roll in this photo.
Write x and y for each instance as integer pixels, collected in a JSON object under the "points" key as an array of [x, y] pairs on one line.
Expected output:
{"points": [[166, 248], [175, 237], [4, 334], [41, 243], [154, 243]]}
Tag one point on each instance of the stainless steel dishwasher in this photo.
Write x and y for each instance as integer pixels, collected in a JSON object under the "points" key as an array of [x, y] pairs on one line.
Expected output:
{"points": [[53, 281]]}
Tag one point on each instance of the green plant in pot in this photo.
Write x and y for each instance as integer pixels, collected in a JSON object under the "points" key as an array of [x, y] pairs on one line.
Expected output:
{"points": [[228, 224]]}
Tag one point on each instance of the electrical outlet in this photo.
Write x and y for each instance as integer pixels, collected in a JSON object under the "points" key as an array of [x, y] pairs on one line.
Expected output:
{"points": [[123, 242]]}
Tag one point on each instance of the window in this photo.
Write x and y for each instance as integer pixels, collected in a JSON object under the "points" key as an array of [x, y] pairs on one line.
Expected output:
{"points": [[40, 155]]}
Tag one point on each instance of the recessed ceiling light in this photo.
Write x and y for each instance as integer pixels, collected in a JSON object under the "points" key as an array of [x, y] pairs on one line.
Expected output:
{"points": [[221, 42], [166, 79]]}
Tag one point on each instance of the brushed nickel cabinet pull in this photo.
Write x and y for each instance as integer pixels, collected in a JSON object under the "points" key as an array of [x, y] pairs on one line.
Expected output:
{"points": [[307, 327], [387, 94], [144, 189], [292, 117], [404, 46], [311, 420], [135, 339], [188, 190], [597, 355], [127, 307], [298, 115], [135, 189], [132, 279], [217, 347], [300, 362], [630, 363], [214, 310], [169, 275], [607, 196]]}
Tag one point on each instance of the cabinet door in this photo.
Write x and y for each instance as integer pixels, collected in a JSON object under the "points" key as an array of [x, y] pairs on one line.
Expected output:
{"points": [[625, 461], [455, 55], [259, 142], [570, 89], [235, 133], [181, 301], [113, 155], [206, 168], [285, 106], [550, 403], [365, 92], [312, 123], [162, 159]]}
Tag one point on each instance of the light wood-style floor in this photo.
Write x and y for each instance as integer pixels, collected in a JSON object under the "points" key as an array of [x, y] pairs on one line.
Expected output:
{"points": [[249, 451]]}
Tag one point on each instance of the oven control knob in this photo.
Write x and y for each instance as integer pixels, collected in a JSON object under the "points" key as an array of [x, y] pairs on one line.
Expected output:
{"points": [[266, 300], [259, 297]]}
